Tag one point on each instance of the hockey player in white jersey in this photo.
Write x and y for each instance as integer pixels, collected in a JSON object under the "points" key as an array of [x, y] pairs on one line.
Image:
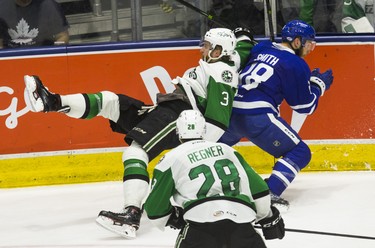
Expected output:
{"points": [[216, 194], [209, 87]]}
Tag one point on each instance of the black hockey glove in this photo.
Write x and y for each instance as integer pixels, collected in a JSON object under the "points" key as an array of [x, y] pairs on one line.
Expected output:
{"points": [[176, 220], [273, 227], [243, 31], [322, 80]]}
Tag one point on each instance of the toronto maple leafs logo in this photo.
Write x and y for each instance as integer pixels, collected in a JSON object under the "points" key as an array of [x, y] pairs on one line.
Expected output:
{"points": [[23, 35]]}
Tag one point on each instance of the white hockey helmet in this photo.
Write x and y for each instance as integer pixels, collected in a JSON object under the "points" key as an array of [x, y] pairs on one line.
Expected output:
{"points": [[190, 125], [223, 37]]}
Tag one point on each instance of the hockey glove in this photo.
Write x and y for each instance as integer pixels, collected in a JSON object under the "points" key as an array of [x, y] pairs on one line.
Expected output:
{"points": [[176, 220], [322, 80], [243, 32], [273, 227]]}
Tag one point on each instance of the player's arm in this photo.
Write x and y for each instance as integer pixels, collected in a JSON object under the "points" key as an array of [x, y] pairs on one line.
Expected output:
{"points": [[259, 190], [303, 99], [268, 217], [302, 92], [245, 42], [157, 205]]}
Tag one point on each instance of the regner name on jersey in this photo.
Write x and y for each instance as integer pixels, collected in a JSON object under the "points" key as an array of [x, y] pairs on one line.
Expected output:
{"points": [[214, 183]]}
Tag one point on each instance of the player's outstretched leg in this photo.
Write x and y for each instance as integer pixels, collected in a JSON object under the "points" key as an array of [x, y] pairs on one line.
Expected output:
{"points": [[125, 224], [39, 98], [135, 189]]}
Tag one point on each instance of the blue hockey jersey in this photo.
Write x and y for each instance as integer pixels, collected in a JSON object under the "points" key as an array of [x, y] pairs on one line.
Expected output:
{"points": [[275, 73]]}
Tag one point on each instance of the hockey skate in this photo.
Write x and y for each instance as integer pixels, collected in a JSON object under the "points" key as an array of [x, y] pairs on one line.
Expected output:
{"points": [[280, 203], [125, 224], [39, 98]]}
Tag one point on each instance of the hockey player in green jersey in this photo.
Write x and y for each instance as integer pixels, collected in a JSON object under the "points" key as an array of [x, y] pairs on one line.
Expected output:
{"points": [[216, 194], [149, 130]]}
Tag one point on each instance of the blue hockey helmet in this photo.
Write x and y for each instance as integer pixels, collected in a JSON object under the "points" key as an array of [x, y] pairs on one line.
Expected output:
{"points": [[297, 28]]}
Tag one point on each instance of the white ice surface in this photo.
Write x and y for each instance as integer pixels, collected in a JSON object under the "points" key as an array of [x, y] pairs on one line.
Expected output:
{"points": [[64, 216]]}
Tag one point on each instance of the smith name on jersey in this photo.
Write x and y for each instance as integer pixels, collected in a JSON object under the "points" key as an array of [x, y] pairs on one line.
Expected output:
{"points": [[275, 73]]}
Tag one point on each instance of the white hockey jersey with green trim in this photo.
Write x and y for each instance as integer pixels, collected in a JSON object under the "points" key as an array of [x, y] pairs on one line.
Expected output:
{"points": [[211, 181], [211, 87]]}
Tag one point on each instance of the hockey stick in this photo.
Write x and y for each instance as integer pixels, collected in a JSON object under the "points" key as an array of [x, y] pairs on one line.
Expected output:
{"points": [[325, 233], [212, 18], [270, 22]]}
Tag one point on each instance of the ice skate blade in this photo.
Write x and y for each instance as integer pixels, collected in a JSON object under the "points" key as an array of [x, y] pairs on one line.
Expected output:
{"points": [[126, 231]]}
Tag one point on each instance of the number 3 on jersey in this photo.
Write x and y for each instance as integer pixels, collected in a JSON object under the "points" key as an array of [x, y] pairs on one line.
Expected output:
{"points": [[225, 100], [254, 75], [225, 170]]}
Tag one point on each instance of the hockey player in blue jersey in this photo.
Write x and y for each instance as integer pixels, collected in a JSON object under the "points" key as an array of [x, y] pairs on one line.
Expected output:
{"points": [[277, 72]]}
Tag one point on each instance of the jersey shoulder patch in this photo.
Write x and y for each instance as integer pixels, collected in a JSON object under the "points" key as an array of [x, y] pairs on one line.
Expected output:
{"points": [[221, 72], [227, 76]]}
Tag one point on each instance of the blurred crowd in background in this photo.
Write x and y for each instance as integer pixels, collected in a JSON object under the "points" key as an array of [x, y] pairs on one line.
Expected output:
{"points": [[92, 21]]}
